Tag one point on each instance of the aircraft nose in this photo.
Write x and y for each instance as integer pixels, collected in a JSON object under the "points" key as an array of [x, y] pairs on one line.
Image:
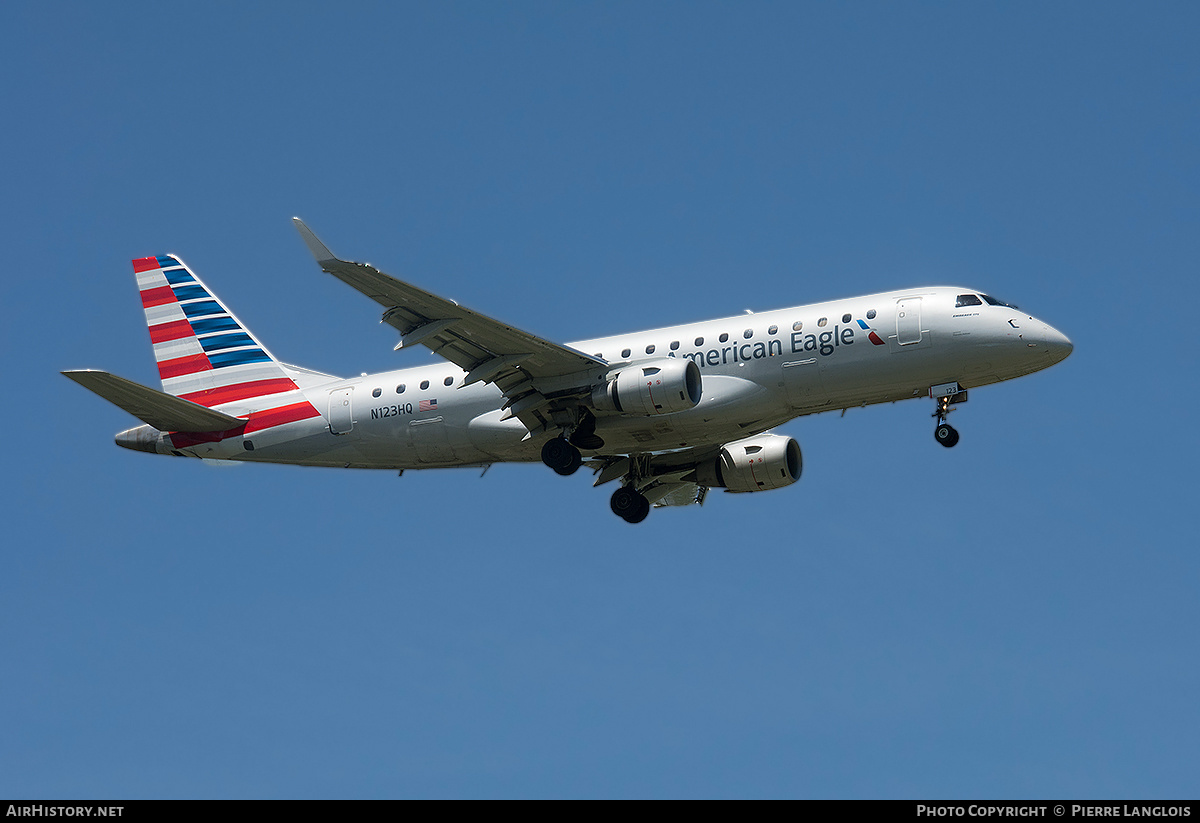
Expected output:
{"points": [[1056, 343]]}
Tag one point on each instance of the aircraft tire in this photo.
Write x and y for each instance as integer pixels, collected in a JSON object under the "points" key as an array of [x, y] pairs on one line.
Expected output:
{"points": [[561, 456], [573, 466], [946, 434], [628, 502], [639, 514]]}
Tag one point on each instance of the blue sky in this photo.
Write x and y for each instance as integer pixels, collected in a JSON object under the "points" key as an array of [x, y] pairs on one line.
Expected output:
{"points": [[1011, 618]]}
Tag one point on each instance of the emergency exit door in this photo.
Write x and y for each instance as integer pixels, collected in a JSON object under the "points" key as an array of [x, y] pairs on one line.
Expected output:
{"points": [[341, 411]]}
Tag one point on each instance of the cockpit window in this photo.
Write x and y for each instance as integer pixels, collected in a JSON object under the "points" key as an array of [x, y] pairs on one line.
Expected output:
{"points": [[991, 301], [967, 300]]}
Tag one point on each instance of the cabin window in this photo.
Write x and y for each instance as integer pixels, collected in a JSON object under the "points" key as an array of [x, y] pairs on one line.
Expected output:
{"points": [[798, 325], [625, 352], [400, 389], [724, 337], [650, 349], [699, 341], [845, 318], [748, 333], [376, 392], [449, 381], [424, 385], [871, 314], [773, 330], [822, 321], [967, 300], [674, 345]]}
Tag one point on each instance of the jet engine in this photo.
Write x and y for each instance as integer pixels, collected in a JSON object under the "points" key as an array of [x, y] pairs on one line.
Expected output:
{"points": [[755, 464], [662, 386]]}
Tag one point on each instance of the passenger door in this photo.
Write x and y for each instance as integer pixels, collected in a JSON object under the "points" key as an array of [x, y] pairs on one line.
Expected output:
{"points": [[908, 321]]}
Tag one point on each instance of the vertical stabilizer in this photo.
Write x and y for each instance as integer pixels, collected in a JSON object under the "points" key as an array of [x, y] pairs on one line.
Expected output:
{"points": [[203, 353]]}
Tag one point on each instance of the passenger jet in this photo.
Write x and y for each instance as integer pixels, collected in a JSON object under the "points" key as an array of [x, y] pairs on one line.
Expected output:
{"points": [[670, 413]]}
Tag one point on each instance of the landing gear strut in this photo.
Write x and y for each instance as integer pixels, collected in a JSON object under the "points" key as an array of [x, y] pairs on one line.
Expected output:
{"points": [[585, 436], [561, 456], [944, 433], [630, 505]]}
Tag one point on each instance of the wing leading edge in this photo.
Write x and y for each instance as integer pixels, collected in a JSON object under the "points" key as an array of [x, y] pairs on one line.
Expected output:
{"points": [[537, 377]]}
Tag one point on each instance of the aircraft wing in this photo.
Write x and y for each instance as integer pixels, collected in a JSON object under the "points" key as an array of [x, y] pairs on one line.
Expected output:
{"points": [[532, 372]]}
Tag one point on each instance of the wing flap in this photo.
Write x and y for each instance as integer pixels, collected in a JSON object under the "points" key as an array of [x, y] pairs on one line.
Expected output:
{"points": [[163, 411], [679, 494]]}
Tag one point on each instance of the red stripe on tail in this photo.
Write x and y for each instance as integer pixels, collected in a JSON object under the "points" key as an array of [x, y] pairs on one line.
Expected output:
{"points": [[157, 297], [277, 417], [183, 365], [257, 422], [240, 391], [174, 330], [181, 440]]}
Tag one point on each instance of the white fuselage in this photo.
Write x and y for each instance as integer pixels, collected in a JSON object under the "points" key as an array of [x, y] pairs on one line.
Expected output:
{"points": [[758, 371]]}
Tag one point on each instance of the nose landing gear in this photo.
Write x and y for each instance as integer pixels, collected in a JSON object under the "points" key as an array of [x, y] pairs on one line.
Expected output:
{"points": [[944, 433]]}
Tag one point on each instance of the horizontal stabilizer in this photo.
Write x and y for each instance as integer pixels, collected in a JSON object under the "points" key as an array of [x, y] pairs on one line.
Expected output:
{"points": [[163, 411]]}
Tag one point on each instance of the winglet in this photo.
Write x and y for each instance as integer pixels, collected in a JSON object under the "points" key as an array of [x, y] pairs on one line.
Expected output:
{"points": [[318, 249]]}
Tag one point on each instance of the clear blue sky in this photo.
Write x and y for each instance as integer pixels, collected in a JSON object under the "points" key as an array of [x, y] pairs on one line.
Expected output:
{"points": [[1016, 617]]}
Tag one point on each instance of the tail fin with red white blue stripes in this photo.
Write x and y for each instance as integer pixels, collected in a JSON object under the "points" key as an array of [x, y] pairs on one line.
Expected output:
{"points": [[204, 353]]}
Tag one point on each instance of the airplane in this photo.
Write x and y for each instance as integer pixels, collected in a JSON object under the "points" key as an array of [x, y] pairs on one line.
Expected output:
{"points": [[670, 412]]}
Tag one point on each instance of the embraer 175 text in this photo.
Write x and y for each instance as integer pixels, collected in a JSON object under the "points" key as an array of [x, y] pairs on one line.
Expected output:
{"points": [[671, 412]]}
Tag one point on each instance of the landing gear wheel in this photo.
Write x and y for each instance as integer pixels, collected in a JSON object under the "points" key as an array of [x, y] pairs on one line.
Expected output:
{"points": [[946, 435], [643, 510], [561, 456], [630, 505]]}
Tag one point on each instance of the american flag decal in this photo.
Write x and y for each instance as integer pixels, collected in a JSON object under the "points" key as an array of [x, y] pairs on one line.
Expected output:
{"points": [[427, 405]]}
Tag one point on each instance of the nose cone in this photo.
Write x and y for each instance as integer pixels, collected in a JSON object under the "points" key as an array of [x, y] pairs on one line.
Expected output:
{"points": [[1056, 344]]}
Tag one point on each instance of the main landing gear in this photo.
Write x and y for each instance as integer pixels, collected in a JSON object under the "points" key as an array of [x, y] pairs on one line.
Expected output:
{"points": [[561, 456], [630, 505], [627, 502], [562, 453], [944, 433]]}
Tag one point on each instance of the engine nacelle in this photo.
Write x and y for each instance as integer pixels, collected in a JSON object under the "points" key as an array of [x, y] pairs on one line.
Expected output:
{"points": [[756, 464], [662, 386]]}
